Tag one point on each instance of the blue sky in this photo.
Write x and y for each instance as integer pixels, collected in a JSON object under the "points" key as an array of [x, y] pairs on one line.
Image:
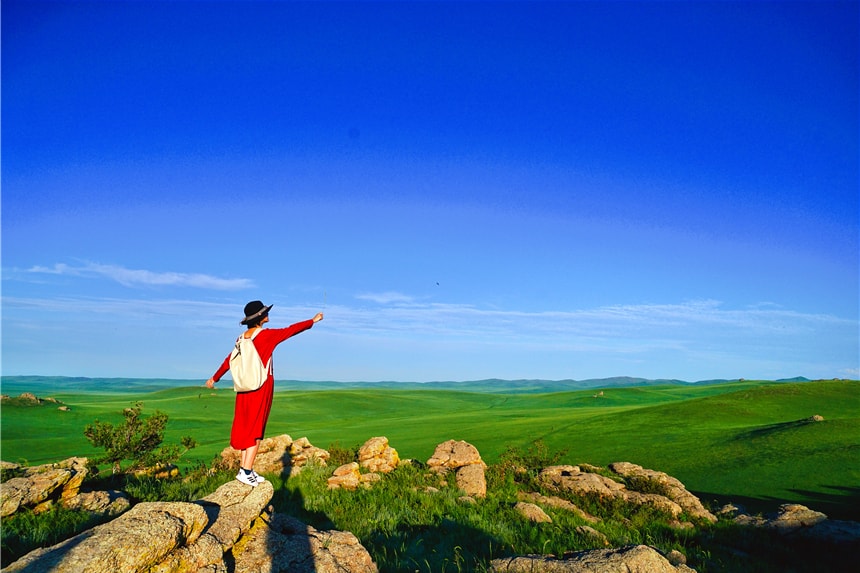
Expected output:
{"points": [[466, 189]]}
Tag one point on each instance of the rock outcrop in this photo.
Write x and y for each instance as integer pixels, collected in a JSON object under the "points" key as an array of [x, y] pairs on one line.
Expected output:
{"points": [[349, 476], [203, 536], [632, 559], [279, 455], [40, 487], [674, 498], [377, 456], [675, 490], [572, 480]]}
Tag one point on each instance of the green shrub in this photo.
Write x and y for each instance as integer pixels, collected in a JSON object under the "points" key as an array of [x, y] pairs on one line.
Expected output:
{"points": [[524, 466], [644, 485], [339, 455], [136, 439]]}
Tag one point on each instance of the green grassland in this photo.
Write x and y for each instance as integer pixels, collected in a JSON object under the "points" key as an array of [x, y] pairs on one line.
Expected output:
{"points": [[747, 441]]}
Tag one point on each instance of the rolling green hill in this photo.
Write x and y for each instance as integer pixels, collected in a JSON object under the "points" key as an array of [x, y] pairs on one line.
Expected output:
{"points": [[748, 441]]}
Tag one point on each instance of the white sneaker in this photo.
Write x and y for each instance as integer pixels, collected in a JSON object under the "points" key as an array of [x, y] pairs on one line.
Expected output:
{"points": [[248, 479], [260, 479]]}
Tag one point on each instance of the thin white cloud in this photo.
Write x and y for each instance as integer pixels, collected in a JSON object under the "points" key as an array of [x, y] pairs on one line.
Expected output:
{"points": [[662, 324], [667, 323], [145, 278], [389, 297], [705, 334]]}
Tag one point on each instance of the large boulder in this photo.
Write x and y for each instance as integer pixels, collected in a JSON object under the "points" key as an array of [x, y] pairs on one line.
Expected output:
{"points": [[454, 454], [632, 559], [281, 544], [465, 460], [673, 488], [278, 455]]}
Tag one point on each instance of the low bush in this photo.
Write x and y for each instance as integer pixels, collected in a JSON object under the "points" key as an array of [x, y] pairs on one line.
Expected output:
{"points": [[339, 455], [136, 439]]}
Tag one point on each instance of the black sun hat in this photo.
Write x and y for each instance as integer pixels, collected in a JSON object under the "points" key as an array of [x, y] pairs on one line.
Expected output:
{"points": [[254, 310]]}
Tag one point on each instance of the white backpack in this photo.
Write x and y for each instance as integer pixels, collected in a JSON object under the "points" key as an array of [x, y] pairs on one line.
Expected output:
{"points": [[246, 366]]}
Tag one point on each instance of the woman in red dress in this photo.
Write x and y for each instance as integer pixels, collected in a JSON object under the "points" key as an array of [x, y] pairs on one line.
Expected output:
{"points": [[252, 408]]}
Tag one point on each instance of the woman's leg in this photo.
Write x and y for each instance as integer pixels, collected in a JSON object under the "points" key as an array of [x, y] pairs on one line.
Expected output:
{"points": [[249, 455]]}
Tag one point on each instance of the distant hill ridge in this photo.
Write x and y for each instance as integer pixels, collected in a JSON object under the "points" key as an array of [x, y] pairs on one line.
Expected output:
{"points": [[15, 384]]}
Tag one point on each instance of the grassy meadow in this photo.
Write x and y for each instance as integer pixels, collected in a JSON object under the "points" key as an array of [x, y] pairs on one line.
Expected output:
{"points": [[747, 441]]}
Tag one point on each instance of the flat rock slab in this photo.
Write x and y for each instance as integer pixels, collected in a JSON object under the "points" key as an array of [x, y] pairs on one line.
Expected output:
{"points": [[133, 542]]}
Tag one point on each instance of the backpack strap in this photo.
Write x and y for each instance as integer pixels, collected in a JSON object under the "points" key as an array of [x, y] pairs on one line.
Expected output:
{"points": [[252, 337]]}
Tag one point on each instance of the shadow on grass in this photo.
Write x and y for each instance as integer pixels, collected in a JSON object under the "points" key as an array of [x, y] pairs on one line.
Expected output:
{"points": [[843, 503], [772, 429], [733, 548], [445, 546]]}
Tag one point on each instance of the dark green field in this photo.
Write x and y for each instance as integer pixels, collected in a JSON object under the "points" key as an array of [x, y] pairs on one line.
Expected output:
{"points": [[748, 442]]}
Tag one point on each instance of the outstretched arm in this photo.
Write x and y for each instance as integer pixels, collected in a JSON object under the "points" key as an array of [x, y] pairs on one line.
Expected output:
{"points": [[225, 366]]}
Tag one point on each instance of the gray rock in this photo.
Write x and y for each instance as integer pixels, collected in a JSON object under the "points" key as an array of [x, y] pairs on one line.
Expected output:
{"points": [[532, 512], [133, 542], [632, 559]]}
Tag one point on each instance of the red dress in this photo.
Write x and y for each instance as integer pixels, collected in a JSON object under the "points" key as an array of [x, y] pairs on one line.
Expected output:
{"points": [[252, 408]]}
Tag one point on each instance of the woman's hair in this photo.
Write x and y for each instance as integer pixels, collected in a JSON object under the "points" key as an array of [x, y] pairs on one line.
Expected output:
{"points": [[255, 323]]}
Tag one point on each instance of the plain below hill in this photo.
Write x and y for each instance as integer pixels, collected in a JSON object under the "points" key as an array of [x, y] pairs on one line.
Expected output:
{"points": [[47, 385]]}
